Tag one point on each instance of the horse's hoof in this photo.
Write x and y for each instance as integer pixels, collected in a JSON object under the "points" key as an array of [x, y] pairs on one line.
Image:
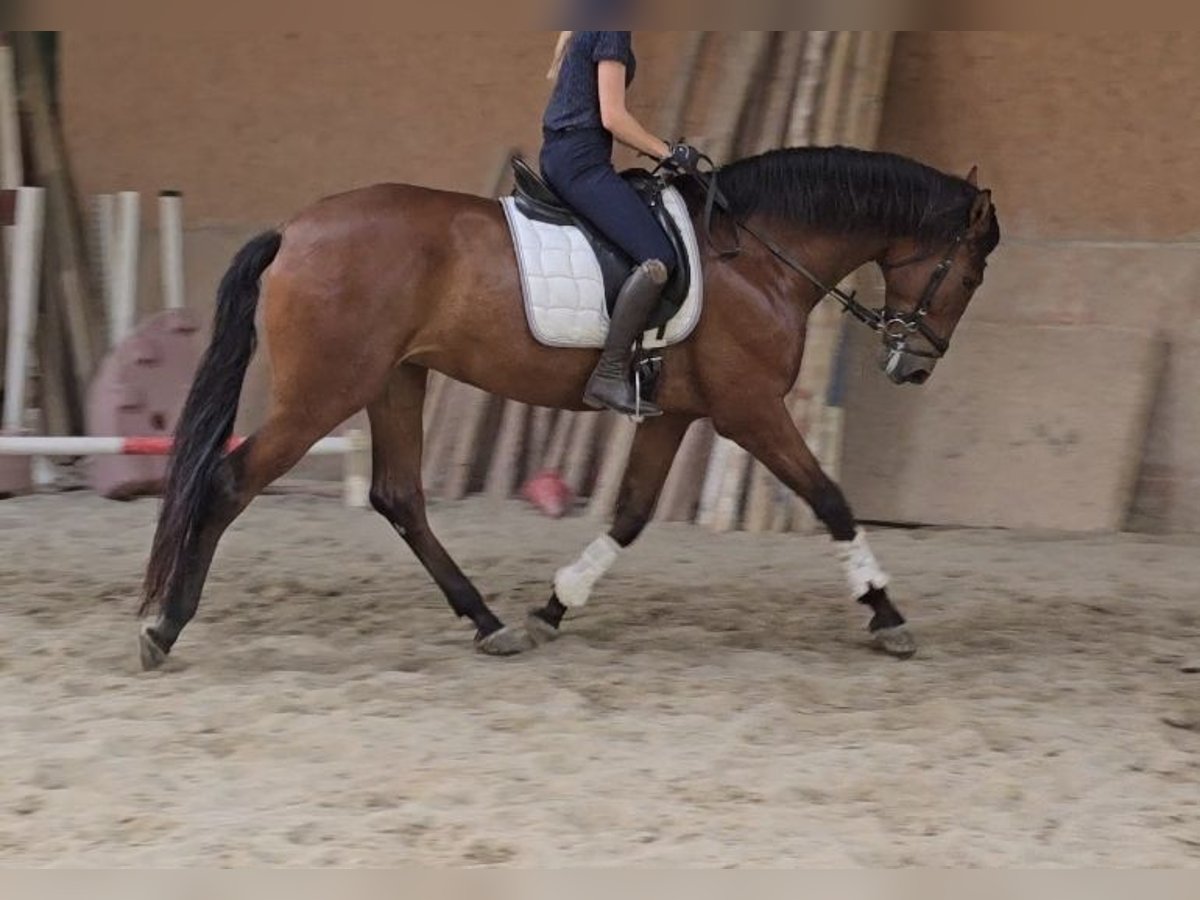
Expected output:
{"points": [[898, 642], [540, 631], [505, 642], [153, 656]]}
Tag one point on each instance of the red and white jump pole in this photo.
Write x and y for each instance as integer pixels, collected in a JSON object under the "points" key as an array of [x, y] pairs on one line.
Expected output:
{"points": [[27, 445], [354, 448]]}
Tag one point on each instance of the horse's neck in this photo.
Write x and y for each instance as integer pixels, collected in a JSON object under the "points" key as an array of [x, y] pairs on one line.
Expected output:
{"points": [[830, 258]]}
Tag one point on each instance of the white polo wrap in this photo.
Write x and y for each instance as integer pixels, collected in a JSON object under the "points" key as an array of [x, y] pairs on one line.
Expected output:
{"points": [[573, 584], [862, 570]]}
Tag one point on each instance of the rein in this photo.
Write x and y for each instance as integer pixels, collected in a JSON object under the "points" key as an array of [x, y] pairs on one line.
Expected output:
{"points": [[895, 326]]}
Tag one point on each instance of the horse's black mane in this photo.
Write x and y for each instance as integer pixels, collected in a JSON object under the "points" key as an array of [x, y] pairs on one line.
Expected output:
{"points": [[846, 190]]}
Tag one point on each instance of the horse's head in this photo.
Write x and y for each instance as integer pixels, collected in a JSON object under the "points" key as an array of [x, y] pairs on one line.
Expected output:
{"points": [[928, 289]]}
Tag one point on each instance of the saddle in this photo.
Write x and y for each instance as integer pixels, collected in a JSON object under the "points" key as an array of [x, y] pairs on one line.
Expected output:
{"points": [[538, 201]]}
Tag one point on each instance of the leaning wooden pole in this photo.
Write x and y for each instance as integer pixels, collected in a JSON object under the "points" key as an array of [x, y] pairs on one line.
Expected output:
{"points": [[503, 471], [69, 282], [455, 412], [763, 493], [851, 116], [740, 57], [823, 323], [11, 173]]}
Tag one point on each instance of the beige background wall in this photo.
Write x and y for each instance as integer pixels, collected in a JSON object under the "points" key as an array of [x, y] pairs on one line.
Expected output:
{"points": [[1092, 146], [252, 127], [1090, 142]]}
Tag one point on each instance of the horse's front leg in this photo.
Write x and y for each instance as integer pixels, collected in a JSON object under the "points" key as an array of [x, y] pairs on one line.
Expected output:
{"points": [[771, 436], [654, 446]]}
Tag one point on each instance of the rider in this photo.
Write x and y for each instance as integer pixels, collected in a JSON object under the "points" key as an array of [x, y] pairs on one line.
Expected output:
{"points": [[592, 70]]}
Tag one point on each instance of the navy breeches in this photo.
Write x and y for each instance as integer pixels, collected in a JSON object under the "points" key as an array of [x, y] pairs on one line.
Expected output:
{"points": [[578, 165]]}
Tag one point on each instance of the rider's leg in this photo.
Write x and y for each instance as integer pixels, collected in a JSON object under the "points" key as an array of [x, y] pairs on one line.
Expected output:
{"points": [[579, 168]]}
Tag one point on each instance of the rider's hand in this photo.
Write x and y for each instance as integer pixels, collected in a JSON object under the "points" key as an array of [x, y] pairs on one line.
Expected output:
{"points": [[683, 158]]}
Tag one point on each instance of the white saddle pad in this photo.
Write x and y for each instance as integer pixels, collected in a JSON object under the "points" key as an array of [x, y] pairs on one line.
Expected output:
{"points": [[564, 289]]}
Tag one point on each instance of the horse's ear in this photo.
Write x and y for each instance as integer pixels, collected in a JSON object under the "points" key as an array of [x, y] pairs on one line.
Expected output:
{"points": [[981, 212], [973, 177]]}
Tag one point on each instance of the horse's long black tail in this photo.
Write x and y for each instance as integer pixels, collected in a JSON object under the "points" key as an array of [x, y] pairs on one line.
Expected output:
{"points": [[207, 422]]}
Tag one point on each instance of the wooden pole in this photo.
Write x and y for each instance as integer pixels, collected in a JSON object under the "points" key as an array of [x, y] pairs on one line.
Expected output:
{"points": [[577, 468], [122, 315], [502, 473], [466, 442], [104, 229], [7, 198], [556, 452], [22, 302], [70, 281], [356, 470], [58, 402], [541, 420], [675, 103], [11, 167], [745, 59], [680, 500], [11, 174], [800, 131], [714, 475], [865, 110], [824, 321], [612, 469], [170, 257], [763, 490], [858, 77], [455, 412]]}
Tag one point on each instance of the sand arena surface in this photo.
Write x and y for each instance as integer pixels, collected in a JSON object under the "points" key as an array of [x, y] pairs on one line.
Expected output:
{"points": [[715, 705]]}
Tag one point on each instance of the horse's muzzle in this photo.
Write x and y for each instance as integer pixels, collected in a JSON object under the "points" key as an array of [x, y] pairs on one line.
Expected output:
{"points": [[907, 368]]}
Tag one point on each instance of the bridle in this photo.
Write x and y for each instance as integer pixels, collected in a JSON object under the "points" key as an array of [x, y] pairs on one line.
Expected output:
{"points": [[895, 326]]}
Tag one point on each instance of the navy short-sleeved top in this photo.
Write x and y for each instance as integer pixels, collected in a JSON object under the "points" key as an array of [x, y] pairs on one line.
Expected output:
{"points": [[575, 101]]}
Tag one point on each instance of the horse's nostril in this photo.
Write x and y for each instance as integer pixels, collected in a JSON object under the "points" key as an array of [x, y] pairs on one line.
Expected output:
{"points": [[919, 377]]}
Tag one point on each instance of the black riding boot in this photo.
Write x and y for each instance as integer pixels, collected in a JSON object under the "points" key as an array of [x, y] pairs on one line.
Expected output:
{"points": [[611, 383]]}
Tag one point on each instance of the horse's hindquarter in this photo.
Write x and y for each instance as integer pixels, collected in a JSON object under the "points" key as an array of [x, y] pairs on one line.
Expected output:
{"points": [[429, 275]]}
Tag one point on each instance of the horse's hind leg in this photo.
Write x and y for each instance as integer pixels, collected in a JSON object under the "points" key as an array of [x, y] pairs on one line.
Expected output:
{"points": [[771, 437], [654, 446], [268, 454], [396, 493]]}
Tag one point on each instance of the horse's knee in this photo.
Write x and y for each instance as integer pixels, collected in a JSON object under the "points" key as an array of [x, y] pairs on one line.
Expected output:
{"points": [[405, 509]]}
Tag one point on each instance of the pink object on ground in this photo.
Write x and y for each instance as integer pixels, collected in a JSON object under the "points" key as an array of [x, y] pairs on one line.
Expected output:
{"points": [[139, 392], [549, 493]]}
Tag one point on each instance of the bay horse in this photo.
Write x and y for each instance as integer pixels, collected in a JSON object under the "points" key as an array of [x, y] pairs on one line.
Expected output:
{"points": [[365, 292]]}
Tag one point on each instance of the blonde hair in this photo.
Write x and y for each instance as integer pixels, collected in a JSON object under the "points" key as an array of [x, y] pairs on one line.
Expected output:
{"points": [[564, 38]]}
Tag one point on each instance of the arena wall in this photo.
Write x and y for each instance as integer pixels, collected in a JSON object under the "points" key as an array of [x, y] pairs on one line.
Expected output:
{"points": [[1090, 310], [1066, 396]]}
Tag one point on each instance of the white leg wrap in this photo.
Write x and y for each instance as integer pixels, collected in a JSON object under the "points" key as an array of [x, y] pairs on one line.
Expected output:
{"points": [[862, 571], [573, 584]]}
